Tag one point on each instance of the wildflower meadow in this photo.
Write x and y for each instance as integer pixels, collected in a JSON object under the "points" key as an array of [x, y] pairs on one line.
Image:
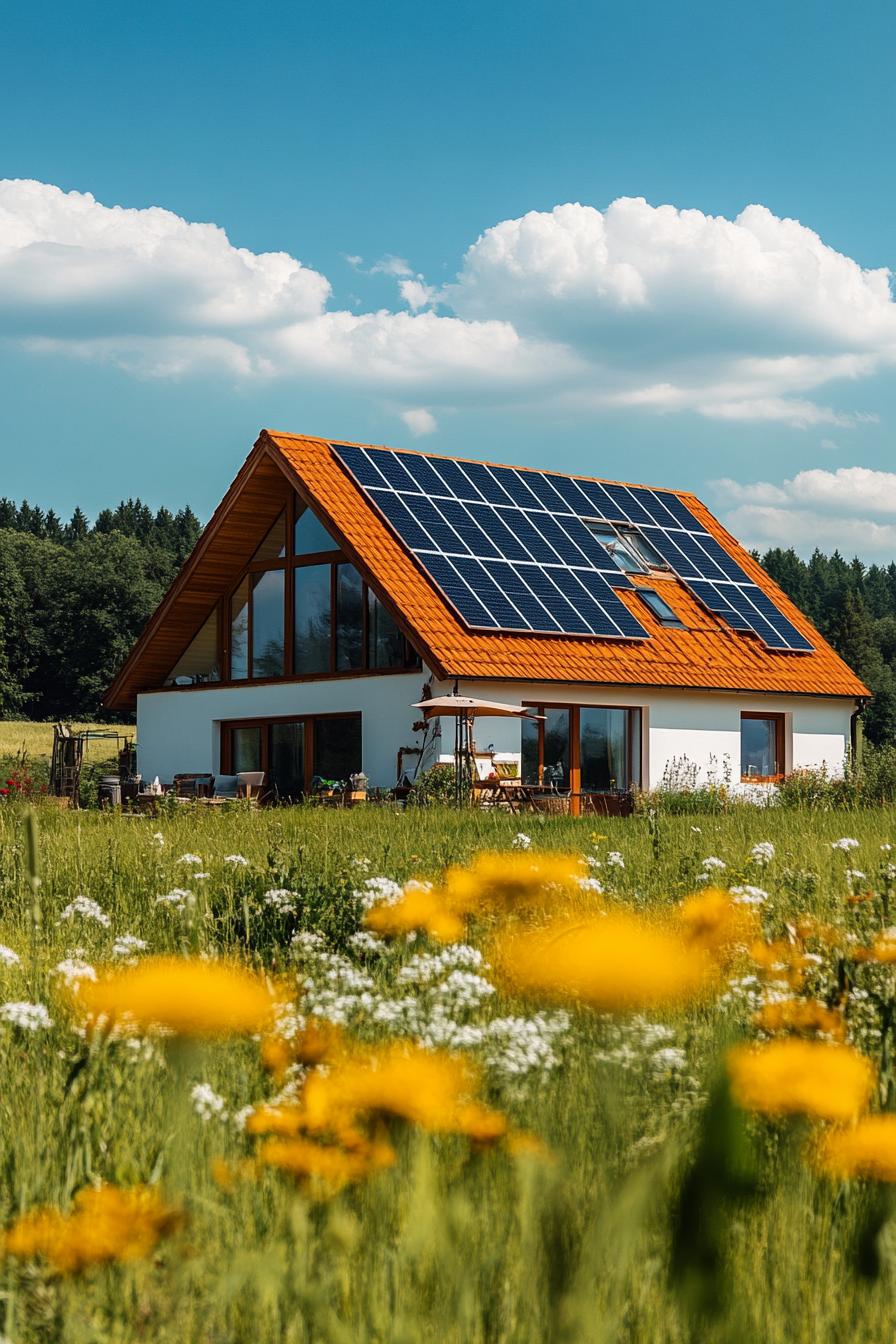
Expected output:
{"points": [[381, 1077]]}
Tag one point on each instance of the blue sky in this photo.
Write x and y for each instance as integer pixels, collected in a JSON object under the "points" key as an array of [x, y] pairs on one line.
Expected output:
{"points": [[412, 159]]}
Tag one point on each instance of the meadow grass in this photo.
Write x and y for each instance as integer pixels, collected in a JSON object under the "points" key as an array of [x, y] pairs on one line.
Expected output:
{"points": [[36, 739], [454, 1243]]}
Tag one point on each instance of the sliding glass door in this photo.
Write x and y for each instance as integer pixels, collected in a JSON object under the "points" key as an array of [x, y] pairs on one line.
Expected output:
{"points": [[293, 752], [582, 750]]}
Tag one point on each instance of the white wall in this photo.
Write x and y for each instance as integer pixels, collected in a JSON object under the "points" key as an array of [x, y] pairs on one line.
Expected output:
{"points": [[179, 730], [699, 727]]}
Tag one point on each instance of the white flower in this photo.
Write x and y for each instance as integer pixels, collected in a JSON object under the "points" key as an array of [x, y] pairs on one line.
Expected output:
{"points": [[521, 841], [886, 849], [281, 899], [763, 852], [713, 864], [191, 858], [749, 895], [86, 908], [671, 1059], [158, 839], [177, 898], [379, 891], [8, 957], [207, 1103], [363, 864], [855, 875], [845, 843], [590, 884], [198, 876], [237, 860], [615, 859], [242, 1115], [364, 942], [73, 970], [696, 830], [28, 1016], [516, 1046], [127, 945]]}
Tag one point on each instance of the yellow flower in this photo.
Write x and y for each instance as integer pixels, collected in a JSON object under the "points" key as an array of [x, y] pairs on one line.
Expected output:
{"points": [[510, 881], [618, 963], [426, 1088], [781, 960], [187, 997], [319, 1041], [801, 1016], [713, 921], [884, 947], [793, 1077], [105, 1224], [418, 909], [331, 1166], [868, 1149]]}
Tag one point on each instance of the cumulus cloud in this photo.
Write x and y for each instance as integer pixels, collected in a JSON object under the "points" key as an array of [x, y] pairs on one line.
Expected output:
{"points": [[419, 421], [852, 508], [649, 308]]}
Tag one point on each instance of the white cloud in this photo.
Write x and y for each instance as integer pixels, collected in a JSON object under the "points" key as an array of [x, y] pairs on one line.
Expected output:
{"points": [[396, 266], [419, 421], [649, 308], [850, 508], [417, 294]]}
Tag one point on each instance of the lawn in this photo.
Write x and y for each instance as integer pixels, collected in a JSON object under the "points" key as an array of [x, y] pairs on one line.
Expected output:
{"points": [[631, 1200]]}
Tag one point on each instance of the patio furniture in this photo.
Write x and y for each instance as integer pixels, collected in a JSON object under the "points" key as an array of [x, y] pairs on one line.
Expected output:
{"points": [[193, 785]]}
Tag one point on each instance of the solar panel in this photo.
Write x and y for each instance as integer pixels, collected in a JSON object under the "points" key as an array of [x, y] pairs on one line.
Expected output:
{"points": [[510, 549]]}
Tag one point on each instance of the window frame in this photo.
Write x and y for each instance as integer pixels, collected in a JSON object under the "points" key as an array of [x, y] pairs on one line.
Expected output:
{"points": [[576, 793], [289, 563], [265, 723], [779, 720], [671, 622]]}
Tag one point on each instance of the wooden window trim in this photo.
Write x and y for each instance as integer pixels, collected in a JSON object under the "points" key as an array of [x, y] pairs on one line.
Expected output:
{"points": [[780, 746], [574, 709], [307, 720], [289, 564]]}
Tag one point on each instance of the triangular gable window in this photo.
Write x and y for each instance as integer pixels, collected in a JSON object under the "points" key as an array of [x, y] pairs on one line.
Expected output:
{"points": [[274, 545], [310, 535], [200, 661]]}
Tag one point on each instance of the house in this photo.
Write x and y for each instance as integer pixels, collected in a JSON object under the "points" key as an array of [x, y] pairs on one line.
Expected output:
{"points": [[338, 583]]}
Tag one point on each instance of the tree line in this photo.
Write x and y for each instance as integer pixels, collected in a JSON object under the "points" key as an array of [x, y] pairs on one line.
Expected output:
{"points": [[74, 596]]}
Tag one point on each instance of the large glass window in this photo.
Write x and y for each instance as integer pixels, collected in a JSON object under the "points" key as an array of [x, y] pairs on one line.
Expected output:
{"points": [[349, 618], [337, 746], [239, 632], [386, 646], [287, 760], [267, 623], [292, 752], [582, 750], [311, 650], [603, 749], [310, 535], [761, 746], [200, 662], [298, 582], [245, 750]]}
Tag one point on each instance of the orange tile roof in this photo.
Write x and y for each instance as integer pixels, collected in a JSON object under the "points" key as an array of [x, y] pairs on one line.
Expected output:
{"points": [[707, 654]]}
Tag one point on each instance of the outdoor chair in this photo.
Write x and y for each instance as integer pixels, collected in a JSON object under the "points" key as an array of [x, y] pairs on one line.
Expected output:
{"points": [[193, 785], [250, 783]]}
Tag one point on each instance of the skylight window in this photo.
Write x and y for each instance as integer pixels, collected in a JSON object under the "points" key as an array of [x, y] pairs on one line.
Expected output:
{"points": [[626, 559], [660, 608]]}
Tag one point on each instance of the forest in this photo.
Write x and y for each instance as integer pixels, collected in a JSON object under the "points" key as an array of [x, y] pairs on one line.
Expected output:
{"points": [[74, 596]]}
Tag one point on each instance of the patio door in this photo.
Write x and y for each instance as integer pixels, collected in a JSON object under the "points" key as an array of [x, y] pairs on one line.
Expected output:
{"points": [[293, 752], [582, 750]]}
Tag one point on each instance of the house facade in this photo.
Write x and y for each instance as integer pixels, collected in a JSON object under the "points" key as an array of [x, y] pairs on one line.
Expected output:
{"points": [[338, 584]]}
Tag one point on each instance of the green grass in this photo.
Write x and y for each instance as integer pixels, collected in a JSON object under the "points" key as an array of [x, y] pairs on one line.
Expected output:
{"points": [[451, 1246], [36, 739]]}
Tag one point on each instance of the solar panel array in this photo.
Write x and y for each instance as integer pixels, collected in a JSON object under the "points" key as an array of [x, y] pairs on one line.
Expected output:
{"points": [[510, 550]]}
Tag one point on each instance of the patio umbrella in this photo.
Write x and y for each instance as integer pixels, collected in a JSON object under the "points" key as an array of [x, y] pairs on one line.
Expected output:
{"points": [[464, 709]]}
